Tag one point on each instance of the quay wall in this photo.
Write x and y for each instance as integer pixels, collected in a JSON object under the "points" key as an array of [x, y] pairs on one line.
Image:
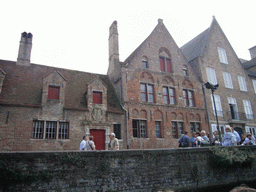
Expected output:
{"points": [[126, 170]]}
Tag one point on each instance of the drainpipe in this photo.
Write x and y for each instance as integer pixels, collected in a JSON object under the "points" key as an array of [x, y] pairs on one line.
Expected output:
{"points": [[207, 113], [126, 112]]}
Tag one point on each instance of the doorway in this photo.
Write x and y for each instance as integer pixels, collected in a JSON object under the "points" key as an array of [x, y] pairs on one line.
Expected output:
{"points": [[99, 138]]}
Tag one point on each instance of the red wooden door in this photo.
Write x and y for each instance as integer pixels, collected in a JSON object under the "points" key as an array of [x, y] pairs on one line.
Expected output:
{"points": [[99, 138]]}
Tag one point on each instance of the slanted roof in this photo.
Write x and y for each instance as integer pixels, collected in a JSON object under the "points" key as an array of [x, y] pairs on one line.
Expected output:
{"points": [[195, 47], [2, 71], [23, 85], [251, 74], [250, 63]]}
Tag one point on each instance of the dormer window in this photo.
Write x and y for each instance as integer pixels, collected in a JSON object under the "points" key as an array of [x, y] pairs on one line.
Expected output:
{"points": [[165, 64], [54, 92], [97, 97]]}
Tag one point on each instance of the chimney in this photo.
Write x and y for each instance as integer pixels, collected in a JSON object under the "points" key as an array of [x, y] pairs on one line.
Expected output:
{"points": [[113, 48], [25, 49], [253, 52]]}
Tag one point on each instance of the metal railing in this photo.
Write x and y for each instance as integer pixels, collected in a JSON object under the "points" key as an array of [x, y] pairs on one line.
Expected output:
{"points": [[233, 116]]}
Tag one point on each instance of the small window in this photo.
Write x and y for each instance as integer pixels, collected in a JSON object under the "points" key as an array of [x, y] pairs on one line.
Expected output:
{"points": [[53, 92], [147, 92], [177, 128], [50, 130], [194, 127], [63, 130], [97, 97], [139, 128], [218, 105], [38, 129], [248, 109], [188, 97], [185, 71], [211, 75], [165, 64], [158, 129], [254, 85], [169, 95], [117, 130], [222, 55], [144, 62], [242, 83], [227, 80]]}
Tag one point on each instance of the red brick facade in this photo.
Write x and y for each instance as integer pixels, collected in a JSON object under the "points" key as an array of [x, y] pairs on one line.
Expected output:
{"points": [[141, 73]]}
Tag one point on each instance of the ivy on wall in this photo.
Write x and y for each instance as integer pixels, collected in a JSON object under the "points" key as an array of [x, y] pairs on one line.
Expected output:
{"points": [[231, 157]]}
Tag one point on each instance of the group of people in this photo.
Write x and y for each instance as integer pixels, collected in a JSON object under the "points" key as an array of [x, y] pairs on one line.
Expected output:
{"points": [[197, 139], [90, 145], [231, 138]]}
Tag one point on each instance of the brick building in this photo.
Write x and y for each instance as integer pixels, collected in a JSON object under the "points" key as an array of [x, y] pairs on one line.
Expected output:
{"points": [[147, 100], [214, 60], [45, 108], [158, 88]]}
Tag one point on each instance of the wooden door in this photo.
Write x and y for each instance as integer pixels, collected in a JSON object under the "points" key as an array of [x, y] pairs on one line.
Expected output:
{"points": [[99, 138]]}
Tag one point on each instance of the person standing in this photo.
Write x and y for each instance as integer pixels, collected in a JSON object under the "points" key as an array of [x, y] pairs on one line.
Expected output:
{"points": [[249, 140], [90, 144], [238, 139], [193, 139], [114, 143], [204, 136], [184, 141], [229, 138], [83, 144]]}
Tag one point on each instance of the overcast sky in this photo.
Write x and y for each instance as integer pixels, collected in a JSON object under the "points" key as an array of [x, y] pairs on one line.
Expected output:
{"points": [[74, 34]]}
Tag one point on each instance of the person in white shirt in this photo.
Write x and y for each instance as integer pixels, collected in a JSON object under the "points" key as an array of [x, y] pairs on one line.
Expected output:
{"points": [[229, 138], [249, 140], [238, 138], [83, 144]]}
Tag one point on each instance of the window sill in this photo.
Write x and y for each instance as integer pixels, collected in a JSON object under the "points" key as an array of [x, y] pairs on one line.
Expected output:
{"points": [[135, 138], [160, 138], [50, 140]]}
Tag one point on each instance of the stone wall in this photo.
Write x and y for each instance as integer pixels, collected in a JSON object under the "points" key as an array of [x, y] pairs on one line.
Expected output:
{"points": [[128, 170]]}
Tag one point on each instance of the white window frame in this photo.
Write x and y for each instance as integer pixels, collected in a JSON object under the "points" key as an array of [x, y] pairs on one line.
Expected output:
{"points": [[251, 130], [221, 127], [248, 109], [232, 100], [227, 80], [211, 75], [242, 83], [218, 105], [254, 85], [222, 55]]}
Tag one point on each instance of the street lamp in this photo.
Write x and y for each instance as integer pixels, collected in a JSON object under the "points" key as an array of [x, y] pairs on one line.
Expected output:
{"points": [[213, 88]]}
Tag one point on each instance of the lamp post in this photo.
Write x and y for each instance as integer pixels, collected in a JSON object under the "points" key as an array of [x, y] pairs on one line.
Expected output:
{"points": [[213, 88]]}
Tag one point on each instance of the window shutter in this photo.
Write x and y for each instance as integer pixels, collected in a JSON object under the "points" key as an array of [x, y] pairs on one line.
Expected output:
{"points": [[168, 65], [162, 64], [97, 97], [53, 92]]}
